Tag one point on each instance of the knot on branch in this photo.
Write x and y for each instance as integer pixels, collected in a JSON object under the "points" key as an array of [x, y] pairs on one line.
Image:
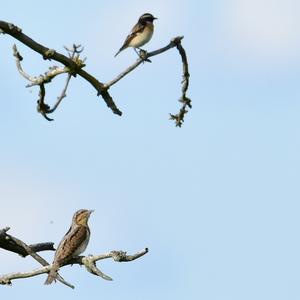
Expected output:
{"points": [[119, 255], [177, 40], [48, 54], [13, 28], [74, 55], [5, 281], [16, 53], [122, 256], [79, 62]]}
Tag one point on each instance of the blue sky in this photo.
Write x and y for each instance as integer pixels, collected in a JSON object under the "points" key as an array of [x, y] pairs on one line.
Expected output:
{"points": [[216, 201]]}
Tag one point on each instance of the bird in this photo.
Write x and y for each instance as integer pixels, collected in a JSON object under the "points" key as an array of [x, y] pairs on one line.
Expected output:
{"points": [[73, 243], [140, 34]]}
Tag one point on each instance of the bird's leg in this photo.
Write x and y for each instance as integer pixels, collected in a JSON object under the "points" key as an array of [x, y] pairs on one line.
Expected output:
{"points": [[139, 54], [142, 54], [136, 52]]}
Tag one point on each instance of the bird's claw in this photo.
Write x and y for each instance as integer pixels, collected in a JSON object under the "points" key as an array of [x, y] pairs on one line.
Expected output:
{"points": [[143, 56]]}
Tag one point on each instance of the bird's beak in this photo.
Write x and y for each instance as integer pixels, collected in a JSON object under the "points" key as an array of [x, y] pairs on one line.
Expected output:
{"points": [[155, 18], [91, 211]]}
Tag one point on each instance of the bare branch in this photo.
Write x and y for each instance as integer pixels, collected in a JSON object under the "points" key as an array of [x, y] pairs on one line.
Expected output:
{"points": [[42, 107], [10, 245], [144, 56], [41, 80], [88, 261], [47, 77], [119, 256], [74, 65], [123, 257], [61, 97], [76, 50], [91, 267], [6, 279], [30, 252], [34, 255], [186, 102], [41, 247], [47, 53]]}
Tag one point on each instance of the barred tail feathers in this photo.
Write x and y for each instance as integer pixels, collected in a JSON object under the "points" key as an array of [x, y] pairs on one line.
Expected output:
{"points": [[52, 275]]}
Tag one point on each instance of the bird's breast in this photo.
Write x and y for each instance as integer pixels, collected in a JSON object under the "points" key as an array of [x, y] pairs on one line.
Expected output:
{"points": [[142, 37], [83, 245]]}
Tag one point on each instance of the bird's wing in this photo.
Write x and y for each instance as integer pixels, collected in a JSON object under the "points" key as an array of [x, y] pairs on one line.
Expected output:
{"points": [[137, 28], [70, 243]]}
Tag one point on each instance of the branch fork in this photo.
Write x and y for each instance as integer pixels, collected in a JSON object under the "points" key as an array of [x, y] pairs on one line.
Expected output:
{"points": [[13, 244], [73, 65]]}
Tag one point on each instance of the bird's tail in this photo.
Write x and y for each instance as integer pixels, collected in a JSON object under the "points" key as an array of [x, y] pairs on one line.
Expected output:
{"points": [[121, 49], [52, 275], [118, 52]]}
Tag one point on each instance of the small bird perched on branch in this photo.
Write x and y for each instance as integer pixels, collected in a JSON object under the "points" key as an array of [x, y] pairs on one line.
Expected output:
{"points": [[73, 243], [140, 34]]}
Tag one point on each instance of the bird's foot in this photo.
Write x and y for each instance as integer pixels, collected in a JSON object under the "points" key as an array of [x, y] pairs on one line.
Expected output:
{"points": [[143, 55]]}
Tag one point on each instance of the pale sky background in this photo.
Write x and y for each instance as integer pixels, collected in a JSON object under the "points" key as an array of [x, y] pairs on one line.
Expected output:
{"points": [[216, 202]]}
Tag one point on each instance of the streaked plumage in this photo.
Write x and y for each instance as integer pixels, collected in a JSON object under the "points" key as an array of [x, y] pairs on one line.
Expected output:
{"points": [[73, 243], [140, 34]]}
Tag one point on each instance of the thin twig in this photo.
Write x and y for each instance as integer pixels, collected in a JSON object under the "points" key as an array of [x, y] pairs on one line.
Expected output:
{"points": [[41, 80], [186, 102], [37, 80], [61, 97], [76, 50], [42, 107], [144, 56], [45, 109]]}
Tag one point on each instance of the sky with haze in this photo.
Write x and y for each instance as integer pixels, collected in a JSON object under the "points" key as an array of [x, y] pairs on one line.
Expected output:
{"points": [[216, 201]]}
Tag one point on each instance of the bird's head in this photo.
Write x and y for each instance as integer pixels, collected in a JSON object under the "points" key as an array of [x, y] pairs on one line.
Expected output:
{"points": [[81, 216], [146, 18]]}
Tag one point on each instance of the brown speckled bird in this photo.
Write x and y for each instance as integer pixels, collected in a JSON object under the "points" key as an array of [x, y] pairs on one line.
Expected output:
{"points": [[73, 243]]}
